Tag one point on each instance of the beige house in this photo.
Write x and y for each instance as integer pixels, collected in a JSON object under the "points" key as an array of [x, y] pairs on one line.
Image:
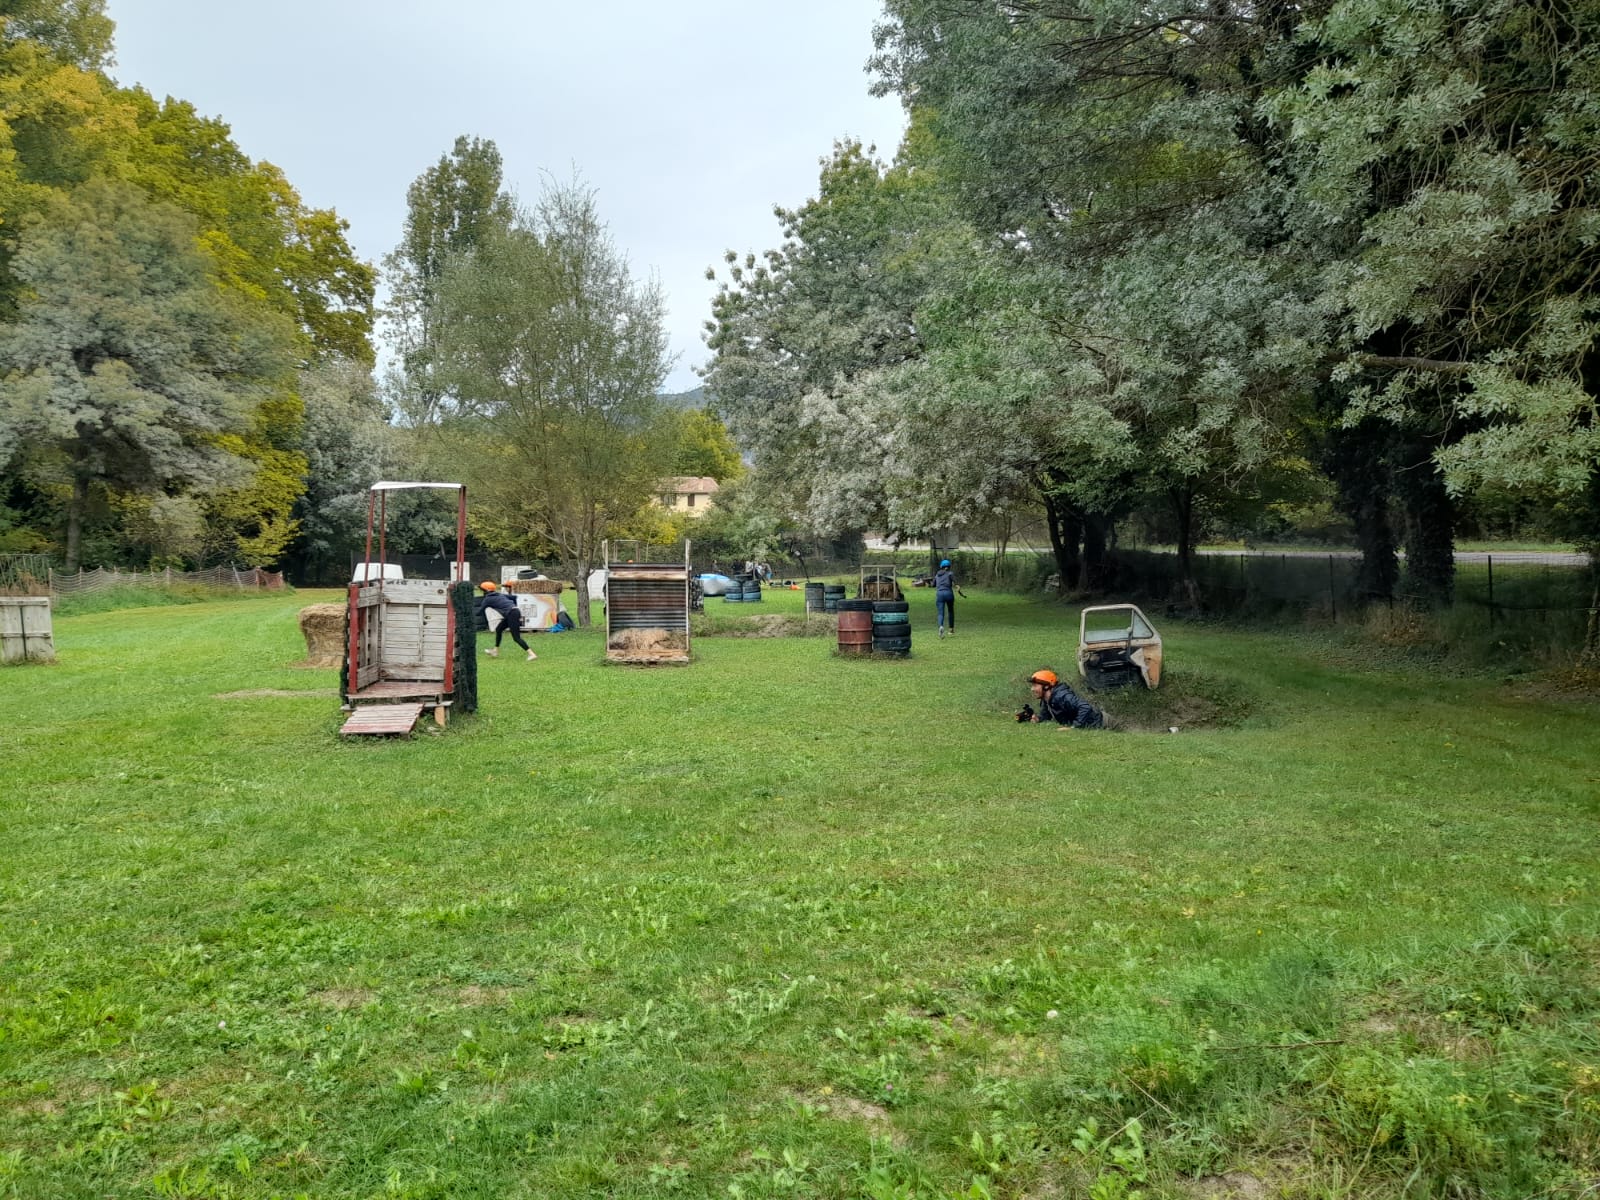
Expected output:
{"points": [[687, 493]]}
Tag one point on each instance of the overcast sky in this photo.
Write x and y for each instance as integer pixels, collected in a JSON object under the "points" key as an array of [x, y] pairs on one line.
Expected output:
{"points": [[690, 118]]}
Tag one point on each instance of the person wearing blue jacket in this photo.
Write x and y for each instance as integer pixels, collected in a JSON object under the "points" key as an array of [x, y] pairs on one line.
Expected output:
{"points": [[944, 595], [1060, 704]]}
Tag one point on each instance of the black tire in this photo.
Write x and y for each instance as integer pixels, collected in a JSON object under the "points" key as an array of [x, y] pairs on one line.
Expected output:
{"points": [[855, 606], [890, 620], [890, 606], [733, 598], [891, 643]]}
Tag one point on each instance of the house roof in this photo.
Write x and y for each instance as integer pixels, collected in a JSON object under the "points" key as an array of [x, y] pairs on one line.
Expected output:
{"points": [[682, 485]]}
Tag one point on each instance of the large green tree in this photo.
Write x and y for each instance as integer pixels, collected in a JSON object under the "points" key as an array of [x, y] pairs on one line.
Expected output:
{"points": [[554, 355], [127, 368], [1411, 170], [64, 125]]}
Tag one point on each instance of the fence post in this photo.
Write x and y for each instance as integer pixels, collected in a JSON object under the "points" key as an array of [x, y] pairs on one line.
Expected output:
{"points": [[1333, 602], [1489, 561]]}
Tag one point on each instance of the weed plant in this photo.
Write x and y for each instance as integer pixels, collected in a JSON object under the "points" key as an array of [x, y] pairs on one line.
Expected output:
{"points": [[781, 923]]}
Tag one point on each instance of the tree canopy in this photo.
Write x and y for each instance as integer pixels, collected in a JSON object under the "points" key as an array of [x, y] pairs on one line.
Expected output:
{"points": [[553, 356], [246, 255]]}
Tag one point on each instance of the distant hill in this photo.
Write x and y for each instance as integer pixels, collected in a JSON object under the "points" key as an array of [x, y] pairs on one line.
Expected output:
{"points": [[684, 400]]}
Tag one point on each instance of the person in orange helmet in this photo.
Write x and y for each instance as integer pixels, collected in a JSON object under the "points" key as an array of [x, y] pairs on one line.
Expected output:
{"points": [[510, 618], [1058, 703]]}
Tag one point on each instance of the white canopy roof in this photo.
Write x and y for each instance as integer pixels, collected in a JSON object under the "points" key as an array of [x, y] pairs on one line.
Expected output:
{"points": [[393, 486]]}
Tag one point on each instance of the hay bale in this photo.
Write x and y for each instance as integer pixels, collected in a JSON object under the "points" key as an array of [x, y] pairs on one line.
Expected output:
{"points": [[880, 587], [645, 641], [534, 587], [322, 625], [643, 647]]}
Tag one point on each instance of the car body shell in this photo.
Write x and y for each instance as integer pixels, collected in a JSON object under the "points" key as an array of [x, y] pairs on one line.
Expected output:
{"points": [[1118, 645]]}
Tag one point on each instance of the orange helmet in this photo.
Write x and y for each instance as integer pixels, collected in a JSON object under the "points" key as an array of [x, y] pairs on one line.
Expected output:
{"points": [[489, 585], [1045, 678]]}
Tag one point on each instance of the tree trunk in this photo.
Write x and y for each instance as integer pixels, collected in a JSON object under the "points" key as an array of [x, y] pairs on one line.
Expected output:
{"points": [[1357, 461], [1002, 544], [1096, 563], [1591, 631], [76, 507], [580, 569], [1066, 528], [1430, 537], [1183, 511]]}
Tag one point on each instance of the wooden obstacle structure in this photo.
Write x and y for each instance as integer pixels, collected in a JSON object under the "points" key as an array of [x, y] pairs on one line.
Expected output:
{"points": [[407, 646], [647, 606]]}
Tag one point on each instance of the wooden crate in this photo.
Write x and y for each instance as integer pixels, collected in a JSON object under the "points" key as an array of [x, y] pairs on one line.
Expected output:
{"points": [[25, 630]]}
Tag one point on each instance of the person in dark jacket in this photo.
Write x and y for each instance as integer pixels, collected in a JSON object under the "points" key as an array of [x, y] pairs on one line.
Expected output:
{"points": [[510, 618], [1059, 703], [944, 595]]}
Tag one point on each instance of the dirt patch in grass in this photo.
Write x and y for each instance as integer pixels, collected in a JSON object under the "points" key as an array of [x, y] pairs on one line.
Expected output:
{"points": [[343, 999], [1233, 1185], [1184, 701], [849, 1108], [32, 1106], [1570, 684], [768, 625], [274, 693], [859, 1110], [473, 996]]}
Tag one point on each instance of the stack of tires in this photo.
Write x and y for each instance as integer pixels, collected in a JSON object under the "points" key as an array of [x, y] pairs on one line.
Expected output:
{"points": [[891, 627], [752, 589], [855, 626], [814, 598], [735, 594], [832, 593]]}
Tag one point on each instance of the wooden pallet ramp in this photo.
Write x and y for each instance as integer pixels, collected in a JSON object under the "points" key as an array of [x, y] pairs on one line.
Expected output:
{"points": [[378, 719]]}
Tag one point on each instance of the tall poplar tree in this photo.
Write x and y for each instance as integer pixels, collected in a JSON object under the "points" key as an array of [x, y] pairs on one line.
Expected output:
{"points": [[450, 208]]}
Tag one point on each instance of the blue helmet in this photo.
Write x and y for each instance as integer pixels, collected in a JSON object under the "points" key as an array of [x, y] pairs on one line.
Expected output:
{"points": [[944, 562]]}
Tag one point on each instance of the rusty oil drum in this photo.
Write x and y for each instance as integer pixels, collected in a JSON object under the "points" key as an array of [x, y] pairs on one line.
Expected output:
{"points": [[855, 631]]}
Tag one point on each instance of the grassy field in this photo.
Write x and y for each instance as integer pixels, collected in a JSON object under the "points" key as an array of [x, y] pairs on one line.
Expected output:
{"points": [[783, 924]]}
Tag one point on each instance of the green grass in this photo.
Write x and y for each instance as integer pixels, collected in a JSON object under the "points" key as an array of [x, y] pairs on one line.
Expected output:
{"points": [[780, 923], [115, 599]]}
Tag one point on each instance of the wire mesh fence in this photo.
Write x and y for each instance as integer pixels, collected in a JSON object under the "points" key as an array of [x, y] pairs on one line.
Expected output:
{"points": [[32, 575], [1512, 593], [24, 574]]}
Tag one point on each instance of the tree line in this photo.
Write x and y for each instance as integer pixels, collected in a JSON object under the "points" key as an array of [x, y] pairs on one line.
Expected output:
{"points": [[1192, 267], [164, 303], [187, 349], [1192, 264]]}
